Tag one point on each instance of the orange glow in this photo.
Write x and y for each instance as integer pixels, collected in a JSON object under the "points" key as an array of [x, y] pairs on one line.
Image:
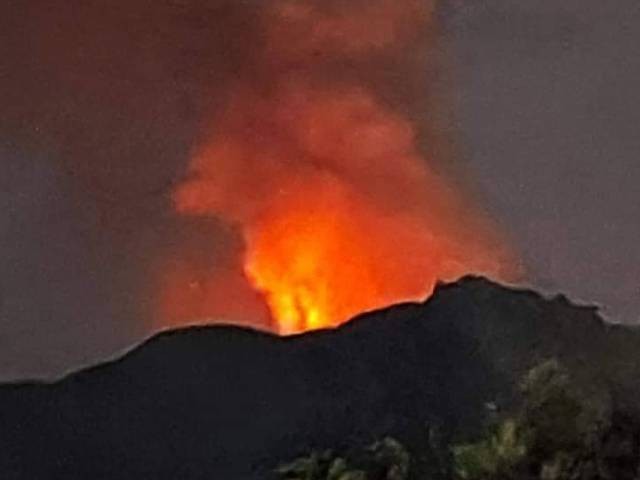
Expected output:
{"points": [[340, 218], [315, 266], [322, 255], [332, 191]]}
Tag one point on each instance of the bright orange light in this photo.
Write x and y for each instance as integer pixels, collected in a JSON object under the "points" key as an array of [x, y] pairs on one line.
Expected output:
{"points": [[339, 213], [339, 203], [322, 255], [313, 265]]}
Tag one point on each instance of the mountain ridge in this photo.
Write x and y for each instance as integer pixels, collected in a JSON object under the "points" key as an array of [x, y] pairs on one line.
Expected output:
{"points": [[227, 402]]}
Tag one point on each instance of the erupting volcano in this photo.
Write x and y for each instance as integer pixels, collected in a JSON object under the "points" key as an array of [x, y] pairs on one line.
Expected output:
{"points": [[339, 207]]}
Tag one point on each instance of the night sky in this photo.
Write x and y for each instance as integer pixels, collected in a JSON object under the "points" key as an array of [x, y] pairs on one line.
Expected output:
{"points": [[101, 106], [549, 117]]}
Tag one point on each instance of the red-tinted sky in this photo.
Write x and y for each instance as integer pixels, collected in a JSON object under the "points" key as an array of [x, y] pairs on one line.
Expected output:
{"points": [[100, 106]]}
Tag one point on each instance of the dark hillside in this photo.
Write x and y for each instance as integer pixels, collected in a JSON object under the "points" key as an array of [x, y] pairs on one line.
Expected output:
{"points": [[226, 403]]}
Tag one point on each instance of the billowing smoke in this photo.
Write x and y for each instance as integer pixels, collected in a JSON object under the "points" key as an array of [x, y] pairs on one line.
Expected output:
{"points": [[331, 182]]}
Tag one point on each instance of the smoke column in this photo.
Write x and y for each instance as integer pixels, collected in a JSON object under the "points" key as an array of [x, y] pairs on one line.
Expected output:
{"points": [[333, 188]]}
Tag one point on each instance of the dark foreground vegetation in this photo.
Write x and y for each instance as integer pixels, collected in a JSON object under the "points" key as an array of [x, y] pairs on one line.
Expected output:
{"points": [[560, 431]]}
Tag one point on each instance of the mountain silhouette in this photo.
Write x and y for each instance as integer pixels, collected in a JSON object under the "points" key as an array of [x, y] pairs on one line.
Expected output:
{"points": [[228, 403]]}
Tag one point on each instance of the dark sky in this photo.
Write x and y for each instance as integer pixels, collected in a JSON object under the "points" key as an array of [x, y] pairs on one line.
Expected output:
{"points": [[550, 119], [100, 106]]}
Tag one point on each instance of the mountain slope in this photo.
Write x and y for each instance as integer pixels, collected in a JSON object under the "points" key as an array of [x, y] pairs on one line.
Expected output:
{"points": [[229, 403]]}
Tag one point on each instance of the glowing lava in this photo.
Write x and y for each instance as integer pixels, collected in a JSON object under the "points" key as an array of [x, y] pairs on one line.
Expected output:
{"points": [[323, 254], [339, 213], [316, 265], [330, 186]]}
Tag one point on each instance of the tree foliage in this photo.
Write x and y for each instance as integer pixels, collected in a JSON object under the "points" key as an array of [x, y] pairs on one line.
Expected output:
{"points": [[496, 454], [563, 429], [386, 459]]}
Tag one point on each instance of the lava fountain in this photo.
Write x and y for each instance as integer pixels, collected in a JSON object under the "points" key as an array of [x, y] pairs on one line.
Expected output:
{"points": [[340, 210]]}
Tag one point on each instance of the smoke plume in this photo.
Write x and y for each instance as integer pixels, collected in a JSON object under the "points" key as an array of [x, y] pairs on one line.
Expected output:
{"points": [[338, 202]]}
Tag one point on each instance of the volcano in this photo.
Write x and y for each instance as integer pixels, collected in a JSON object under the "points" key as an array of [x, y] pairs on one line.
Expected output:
{"points": [[333, 162], [223, 402]]}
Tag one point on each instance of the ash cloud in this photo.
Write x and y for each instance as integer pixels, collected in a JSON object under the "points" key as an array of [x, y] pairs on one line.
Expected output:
{"points": [[121, 97], [299, 144], [103, 101]]}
